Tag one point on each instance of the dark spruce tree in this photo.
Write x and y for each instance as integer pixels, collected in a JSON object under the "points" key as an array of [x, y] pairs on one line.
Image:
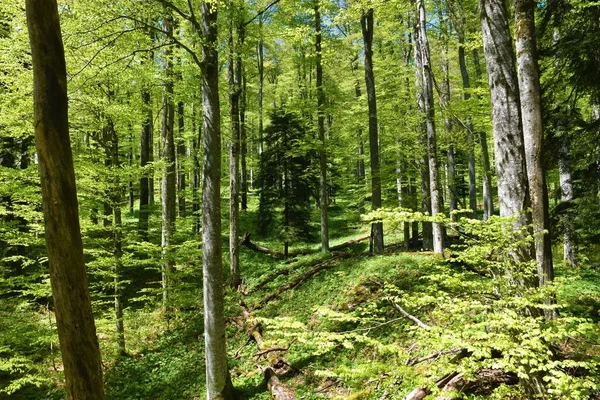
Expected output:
{"points": [[287, 178]]}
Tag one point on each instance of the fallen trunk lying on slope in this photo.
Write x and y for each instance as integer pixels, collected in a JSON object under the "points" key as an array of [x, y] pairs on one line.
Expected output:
{"points": [[329, 263], [245, 241], [277, 364]]}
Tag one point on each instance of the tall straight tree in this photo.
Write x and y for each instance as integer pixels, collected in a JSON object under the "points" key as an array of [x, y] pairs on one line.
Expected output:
{"points": [[234, 67], [145, 156], [437, 205], [74, 319], [218, 381], [323, 190], [488, 201], [181, 153], [533, 133], [459, 27], [423, 159], [168, 193], [367, 26], [509, 149]]}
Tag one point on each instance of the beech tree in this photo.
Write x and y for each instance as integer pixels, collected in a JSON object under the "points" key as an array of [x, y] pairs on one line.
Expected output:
{"points": [[218, 381], [74, 319], [367, 24], [509, 149], [533, 133]]}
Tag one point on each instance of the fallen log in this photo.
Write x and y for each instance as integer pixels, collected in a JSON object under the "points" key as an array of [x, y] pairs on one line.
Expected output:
{"points": [[245, 241], [278, 390], [329, 263], [277, 364]]}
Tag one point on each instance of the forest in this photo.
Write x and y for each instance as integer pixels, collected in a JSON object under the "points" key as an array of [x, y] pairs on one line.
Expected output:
{"points": [[366, 199]]}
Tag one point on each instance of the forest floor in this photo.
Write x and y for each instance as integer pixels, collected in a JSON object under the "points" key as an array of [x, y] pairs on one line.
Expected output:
{"points": [[339, 324]]}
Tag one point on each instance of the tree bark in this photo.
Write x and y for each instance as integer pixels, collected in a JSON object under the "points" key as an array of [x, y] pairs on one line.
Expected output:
{"points": [[196, 142], [234, 67], [168, 192], [181, 153], [323, 189], [513, 187], [466, 84], [74, 319], [423, 164], [218, 381], [437, 205], [243, 143], [116, 197], [533, 134], [367, 25], [488, 200], [566, 195]]}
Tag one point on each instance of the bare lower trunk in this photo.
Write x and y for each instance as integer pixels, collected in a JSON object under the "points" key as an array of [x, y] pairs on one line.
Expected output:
{"points": [[218, 382], [513, 188], [488, 200], [434, 187], [235, 72], [367, 24], [533, 134], [566, 195], [181, 154], [168, 192], [74, 318], [196, 142], [145, 150], [323, 190]]}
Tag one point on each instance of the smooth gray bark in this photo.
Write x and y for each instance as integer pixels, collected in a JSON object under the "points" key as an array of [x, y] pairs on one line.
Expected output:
{"points": [[509, 149], [566, 195], [466, 84], [74, 318], [533, 134], [323, 188], [488, 200], [437, 205], [218, 382], [423, 161]]}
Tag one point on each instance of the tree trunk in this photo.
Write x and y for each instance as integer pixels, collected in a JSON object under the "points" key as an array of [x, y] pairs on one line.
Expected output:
{"points": [[181, 153], [488, 200], [116, 196], [243, 143], [196, 141], [437, 205], [145, 153], [566, 195], [323, 190], [218, 381], [234, 68], [74, 319], [533, 134], [261, 82], [466, 83], [168, 192], [513, 188], [367, 25], [423, 164]]}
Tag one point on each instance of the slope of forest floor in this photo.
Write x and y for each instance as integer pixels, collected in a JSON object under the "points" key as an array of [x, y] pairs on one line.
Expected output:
{"points": [[361, 326]]}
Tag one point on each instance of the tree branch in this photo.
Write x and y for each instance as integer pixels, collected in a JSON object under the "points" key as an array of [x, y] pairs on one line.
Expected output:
{"points": [[261, 12], [414, 319]]}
